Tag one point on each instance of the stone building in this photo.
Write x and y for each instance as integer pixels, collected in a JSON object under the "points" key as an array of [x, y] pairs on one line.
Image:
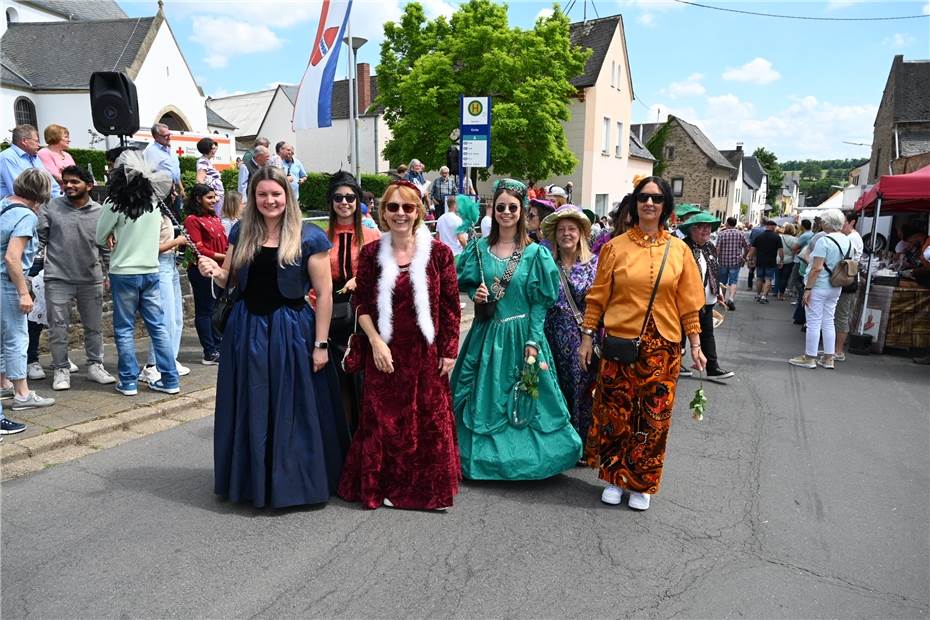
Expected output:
{"points": [[902, 124]]}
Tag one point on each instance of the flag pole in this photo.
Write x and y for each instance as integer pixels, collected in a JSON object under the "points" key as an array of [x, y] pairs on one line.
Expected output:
{"points": [[352, 135]]}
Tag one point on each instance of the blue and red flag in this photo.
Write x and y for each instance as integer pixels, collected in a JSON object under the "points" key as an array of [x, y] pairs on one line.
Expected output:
{"points": [[314, 107]]}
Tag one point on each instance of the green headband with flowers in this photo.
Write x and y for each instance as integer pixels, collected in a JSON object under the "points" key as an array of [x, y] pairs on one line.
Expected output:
{"points": [[512, 185]]}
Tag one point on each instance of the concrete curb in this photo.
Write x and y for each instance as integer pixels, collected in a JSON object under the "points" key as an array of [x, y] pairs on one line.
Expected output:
{"points": [[84, 432]]}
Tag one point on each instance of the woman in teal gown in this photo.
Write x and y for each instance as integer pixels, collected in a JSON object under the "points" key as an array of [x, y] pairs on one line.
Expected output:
{"points": [[503, 433]]}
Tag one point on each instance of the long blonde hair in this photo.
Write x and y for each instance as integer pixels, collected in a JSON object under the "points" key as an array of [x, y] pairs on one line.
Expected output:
{"points": [[252, 230]]}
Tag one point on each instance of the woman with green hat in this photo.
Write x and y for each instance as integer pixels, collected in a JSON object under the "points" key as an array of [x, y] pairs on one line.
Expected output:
{"points": [[682, 213], [568, 229], [697, 236]]}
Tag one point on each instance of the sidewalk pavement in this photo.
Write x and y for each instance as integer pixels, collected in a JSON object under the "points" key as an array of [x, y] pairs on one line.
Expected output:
{"points": [[91, 417]]}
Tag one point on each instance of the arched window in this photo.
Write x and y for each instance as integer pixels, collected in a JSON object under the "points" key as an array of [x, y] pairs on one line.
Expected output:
{"points": [[25, 112], [174, 122], [12, 15]]}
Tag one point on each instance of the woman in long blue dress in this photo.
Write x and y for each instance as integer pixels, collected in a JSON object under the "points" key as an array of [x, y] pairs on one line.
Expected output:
{"points": [[568, 229], [505, 434], [280, 437]]}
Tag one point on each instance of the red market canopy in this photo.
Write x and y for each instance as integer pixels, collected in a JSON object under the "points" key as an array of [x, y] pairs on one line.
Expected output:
{"points": [[899, 193]]}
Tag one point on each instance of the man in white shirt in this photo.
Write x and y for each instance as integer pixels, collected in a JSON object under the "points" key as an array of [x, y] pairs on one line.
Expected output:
{"points": [[486, 220], [447, 227], [846, 301]]}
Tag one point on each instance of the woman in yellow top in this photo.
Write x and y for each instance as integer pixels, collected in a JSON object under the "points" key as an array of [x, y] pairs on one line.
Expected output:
{"points": [[633, 402]]}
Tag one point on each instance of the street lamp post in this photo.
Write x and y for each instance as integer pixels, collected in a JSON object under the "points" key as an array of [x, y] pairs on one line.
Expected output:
{"points": [[354, 43]]}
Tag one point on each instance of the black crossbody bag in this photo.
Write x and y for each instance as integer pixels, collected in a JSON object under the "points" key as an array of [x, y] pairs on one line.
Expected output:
{"points": [[626, 350], [485, 311]]}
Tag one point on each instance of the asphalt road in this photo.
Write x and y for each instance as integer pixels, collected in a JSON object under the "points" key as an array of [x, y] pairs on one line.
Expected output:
{"points": [[801, 494]]}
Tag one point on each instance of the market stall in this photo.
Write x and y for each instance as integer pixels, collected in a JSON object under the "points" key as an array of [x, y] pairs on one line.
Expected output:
{"points": [[893, 309]]}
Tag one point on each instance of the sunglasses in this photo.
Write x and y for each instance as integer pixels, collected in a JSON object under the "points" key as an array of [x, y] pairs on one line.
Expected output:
{"points": [[511, 207], [393, 207], [657, 199], [349, 198]]}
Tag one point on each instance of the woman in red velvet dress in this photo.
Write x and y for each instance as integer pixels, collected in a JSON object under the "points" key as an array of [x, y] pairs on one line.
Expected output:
{"points": [[404, 453]]}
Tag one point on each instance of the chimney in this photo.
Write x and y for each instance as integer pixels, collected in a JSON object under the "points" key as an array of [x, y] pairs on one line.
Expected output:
{"points": [[739, 147], [364, 87]]}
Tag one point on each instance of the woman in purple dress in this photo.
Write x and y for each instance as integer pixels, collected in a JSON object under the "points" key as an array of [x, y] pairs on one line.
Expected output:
{"points": [[568, 230]]}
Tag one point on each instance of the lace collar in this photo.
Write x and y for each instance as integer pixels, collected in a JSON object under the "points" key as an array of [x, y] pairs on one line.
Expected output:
{"points": [[647, 241]]}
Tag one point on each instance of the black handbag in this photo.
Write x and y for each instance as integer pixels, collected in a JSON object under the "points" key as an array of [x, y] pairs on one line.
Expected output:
{"points": [[223, 306], [485, 311], [626, 350]]}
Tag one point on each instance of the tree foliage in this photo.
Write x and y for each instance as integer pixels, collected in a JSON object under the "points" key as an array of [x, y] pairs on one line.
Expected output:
{"points": [[775, 173], [427, 65], [824, 164]]}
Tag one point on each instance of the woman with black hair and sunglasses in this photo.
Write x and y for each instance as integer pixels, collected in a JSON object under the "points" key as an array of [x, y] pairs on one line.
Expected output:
{"points": [[512, 419], [403, 454], [348, 235], [635, 390]]}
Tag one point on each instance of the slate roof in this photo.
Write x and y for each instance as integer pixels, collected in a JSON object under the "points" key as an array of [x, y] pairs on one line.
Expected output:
{"points": [[703, 143], [245, 111], [912, 89], [26, 50], [753, 173], [638, 149], [735, 157], [215, 120], [595, 34], [81, 10], [648, 130]]}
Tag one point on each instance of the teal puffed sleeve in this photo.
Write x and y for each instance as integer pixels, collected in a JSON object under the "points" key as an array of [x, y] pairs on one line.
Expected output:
{"points": [[468, 270], [542, 289]]}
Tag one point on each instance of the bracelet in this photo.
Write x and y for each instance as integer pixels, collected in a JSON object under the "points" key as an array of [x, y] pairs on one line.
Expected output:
{"points": [[807, 288], [587, 332]]}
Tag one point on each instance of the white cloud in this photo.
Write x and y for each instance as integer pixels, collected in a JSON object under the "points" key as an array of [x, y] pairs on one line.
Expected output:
{"points": [[756, 71], [833, 5], [647, 19], [927, 9], [214, 33], [222, 92], [690, 87], [898, 40], [547, 13]]}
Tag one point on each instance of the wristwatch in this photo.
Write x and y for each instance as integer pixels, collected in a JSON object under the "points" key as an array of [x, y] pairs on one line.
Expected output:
{"points": [[321, 344], [587, 332]]}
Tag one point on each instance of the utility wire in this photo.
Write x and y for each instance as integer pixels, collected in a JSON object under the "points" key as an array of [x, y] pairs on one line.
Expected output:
{"points": [[802, 17]]}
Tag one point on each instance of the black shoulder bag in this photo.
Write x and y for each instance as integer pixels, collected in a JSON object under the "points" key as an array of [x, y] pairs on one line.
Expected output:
{"points": [[485, 311], [626, 350]]}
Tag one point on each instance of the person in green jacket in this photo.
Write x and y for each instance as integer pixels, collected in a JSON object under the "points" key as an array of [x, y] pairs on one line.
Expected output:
{"points": [[512, 420]]}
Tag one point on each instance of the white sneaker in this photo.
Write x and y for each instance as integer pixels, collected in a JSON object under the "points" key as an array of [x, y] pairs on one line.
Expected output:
{"points": [[612, 495], [387, 502], [149, 374], [96, 372], [34, 371], [639, 501], [183, 371], [72, 366], [61, 379]]}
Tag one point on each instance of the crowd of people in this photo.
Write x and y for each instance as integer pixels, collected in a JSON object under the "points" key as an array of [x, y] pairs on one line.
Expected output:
{"points": [[339, 365]]}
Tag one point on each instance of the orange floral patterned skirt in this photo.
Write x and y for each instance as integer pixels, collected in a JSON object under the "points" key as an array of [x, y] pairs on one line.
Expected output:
{"points": [[632, 415]]}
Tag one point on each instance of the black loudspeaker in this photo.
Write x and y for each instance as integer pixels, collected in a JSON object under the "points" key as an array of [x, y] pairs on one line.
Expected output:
{"points": [[114, 104]]}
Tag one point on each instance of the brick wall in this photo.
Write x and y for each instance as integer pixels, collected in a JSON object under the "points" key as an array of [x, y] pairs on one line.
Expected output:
{"points": [[883, 136]]}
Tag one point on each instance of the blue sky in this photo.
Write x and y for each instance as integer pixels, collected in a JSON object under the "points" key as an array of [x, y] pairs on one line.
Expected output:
{"points": [[801, 88]]}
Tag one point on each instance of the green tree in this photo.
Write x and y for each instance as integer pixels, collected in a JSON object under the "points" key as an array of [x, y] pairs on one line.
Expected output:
{"points": [[427, 65], [776, 176]]}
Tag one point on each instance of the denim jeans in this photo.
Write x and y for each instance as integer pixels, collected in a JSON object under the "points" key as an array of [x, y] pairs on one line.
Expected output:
{"points": [[59, 296], [172, 304], [132, 294], [203, 311], [14, 334]]}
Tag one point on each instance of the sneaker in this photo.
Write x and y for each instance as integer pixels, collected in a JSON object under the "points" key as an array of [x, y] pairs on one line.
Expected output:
{"points": [[183, 371], [639, 501], [127, 389], [72, 366], [96, 372], [923, 361], [149, 375], [159, 386], [730, 305], [803, 361], [32, 401], [6, 392], [763, 300], [719, 373], [9, 427], [34, 371], [62, 379], [826, 361], [211, 359], [387, 502], [685, 372], [839, 357], [612, 495]]}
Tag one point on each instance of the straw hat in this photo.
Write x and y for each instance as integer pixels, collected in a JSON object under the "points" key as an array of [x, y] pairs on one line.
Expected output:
{"points": [[567, 211]]}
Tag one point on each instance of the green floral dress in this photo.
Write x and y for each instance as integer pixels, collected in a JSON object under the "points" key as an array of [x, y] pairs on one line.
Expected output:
{"points": [[493, 447]]}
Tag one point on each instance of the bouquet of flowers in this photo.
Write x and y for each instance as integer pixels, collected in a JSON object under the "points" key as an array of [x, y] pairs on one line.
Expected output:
{"points": [[698, 404], [522, 406]]}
